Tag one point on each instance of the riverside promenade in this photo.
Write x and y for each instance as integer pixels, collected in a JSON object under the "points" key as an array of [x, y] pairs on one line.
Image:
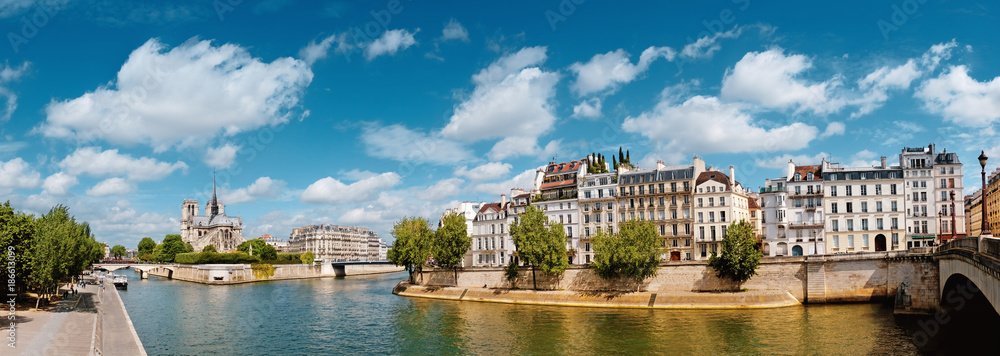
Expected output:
{"points": [[93, 322]]}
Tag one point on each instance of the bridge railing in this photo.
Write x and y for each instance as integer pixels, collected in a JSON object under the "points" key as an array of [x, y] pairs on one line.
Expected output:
{"points": [[966, 243], [991, 247]]}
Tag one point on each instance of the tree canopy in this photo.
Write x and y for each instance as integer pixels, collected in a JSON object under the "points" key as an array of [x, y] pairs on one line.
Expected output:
{"points": [[740, 257], [539, 243], [260, 249], [118, 251], [631, 252], [451, 242], [412, 246], [171, 246], [209, 248], [307, 258]]}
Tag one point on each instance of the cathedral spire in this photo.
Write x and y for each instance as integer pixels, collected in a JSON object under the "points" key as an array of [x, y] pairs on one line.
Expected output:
{"points": [[213, 209], [213, 187]]}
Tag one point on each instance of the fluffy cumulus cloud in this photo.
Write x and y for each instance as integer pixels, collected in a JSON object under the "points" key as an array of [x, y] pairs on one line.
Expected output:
{"points": [[774, 80], [607, 70], [705, 46], [780, 162], [513, 100], [488, 171], [221, 157], [962, 99], [332, 191], [524, 180], [877, 84], [443, 189], [59, 183], [706, 125], [833, 129], [454, 31], [397, 142], [390, 43], [111, 186], [17, 174], [262, 188], [92, 161], [182, 96], [588, 109], [315, 51], [8, 75]]}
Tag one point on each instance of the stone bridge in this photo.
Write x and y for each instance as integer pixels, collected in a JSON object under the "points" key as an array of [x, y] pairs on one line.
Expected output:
{"points": [[345, 268], [141, 268], [968, 264]]}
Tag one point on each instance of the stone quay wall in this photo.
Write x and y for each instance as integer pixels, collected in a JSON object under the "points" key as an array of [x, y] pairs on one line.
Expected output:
{"points": [[243, 273], [868, 277]]}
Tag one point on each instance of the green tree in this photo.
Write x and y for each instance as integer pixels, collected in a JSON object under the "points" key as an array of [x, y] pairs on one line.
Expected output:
{"points": [[412, 245], [632, 252], [188, 247], [307, 258], [171, 246], [260, 249], [209, 248], [17, 235], [118, 251], [740, 257], [539, 245], [146, 246], [451, 242]]}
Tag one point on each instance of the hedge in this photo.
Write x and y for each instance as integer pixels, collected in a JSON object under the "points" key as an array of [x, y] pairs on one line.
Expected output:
{"points": [[215, 258], [289, 256]]}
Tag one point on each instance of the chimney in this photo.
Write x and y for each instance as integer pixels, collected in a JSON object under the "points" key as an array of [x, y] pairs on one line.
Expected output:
{"points": [[732, 174], [503, 199], [883, 162], [790, 171], [660, 165]]}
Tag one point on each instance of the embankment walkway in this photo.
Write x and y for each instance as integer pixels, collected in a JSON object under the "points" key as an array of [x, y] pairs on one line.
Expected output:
{"points": [[93, 322], [657, 300]]}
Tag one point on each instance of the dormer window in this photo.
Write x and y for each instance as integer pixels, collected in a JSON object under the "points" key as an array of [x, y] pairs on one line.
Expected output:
{"points": [[809, 176], [798, 177]]}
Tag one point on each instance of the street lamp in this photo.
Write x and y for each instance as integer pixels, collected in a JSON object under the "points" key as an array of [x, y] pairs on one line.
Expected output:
{"points": [[982, 162]]}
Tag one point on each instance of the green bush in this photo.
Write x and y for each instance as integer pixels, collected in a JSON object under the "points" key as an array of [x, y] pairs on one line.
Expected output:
{"points": [[289, 256], [215, 258]]}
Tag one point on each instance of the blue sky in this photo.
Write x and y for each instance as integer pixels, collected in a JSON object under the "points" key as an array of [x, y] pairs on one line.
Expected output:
{"points": [[360, 113]]}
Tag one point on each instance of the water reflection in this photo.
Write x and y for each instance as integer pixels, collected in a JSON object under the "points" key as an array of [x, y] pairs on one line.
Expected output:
{"points": [[359, 315]]}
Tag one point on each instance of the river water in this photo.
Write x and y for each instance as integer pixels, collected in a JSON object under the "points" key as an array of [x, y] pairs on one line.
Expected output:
{"points": [[360, 315]]}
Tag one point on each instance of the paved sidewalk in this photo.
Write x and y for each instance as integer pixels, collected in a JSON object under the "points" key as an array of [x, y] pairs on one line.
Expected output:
{"points": [[66, 329], [119, 334]]}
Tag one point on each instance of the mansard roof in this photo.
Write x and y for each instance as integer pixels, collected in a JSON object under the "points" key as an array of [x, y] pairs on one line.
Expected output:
{"points": [[713, 176]]}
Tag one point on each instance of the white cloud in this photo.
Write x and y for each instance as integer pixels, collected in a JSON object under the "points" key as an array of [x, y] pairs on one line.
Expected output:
{"points": [[315, 51], [389, 43], [10, 74], [221, 157], [589, 109], [833, 129], [877, 84], [332, 191], [864, 158], [59, 183], [489, 171], [706, 125], [509, 100], [772, 79], [454, 31], [263, 187], [607, 70], [962, 99], [92, 161], [17, 174], [402, 144], [705, 46], [524, 180], [780, 162], [111, 186], [441, 190], [185, 96]]}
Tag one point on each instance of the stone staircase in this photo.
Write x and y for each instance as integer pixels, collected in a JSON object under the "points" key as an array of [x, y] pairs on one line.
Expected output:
{"points": [[816, 282]]}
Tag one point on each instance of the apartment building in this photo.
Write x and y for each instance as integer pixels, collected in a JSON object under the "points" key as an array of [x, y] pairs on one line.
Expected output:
{"points": [[665, 196], [491, 240], [597, 209], [948, 189], [929, 180], [793, 212], [467, 210], [865, 210], [337, 243], [557, 197], [719, 201]]}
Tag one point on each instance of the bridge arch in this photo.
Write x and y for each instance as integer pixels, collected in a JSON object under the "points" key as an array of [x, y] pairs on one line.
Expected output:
{"points": [[960, 273]]}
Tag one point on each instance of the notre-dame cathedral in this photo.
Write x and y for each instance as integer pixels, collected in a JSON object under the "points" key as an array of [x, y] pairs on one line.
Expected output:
{"points": [[214, 228]]}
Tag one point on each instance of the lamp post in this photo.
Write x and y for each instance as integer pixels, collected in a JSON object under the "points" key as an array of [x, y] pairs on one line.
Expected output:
{"points": [[982, 162], [953, 227]]}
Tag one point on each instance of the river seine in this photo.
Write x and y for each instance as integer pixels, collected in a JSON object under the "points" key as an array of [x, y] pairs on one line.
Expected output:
{"points": [[360, 315]]}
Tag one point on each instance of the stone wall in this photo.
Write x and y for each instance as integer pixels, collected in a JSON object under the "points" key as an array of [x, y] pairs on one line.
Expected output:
{"points": [[234, 274], [843, 278]]}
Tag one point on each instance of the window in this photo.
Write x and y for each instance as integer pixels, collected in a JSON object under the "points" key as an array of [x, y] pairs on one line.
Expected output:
{"points": [[864, 224], [722, 201], [711, 216], [722, 216], [850, 224], [611, 217], [833, 191], [923, 196], [833, 208], [864, 207], [586, 232], [848, 190], [836, 242], [661, 190], [699, 203], [701, 218], [895, 238], [878, 224], [850, 207], [878, 206], [701, 232], [662, 214], [663, 230], [878, 189], [686, 197], [944, 182], [712, 228], [711, 201], [893, 205], [661, 201], [673, 200], [586, 220], [640, 190], [850, 241], [864, 189], [675, 229], [673, 188], [864, 240], [923, 227], [835, 225], [687, 229]]}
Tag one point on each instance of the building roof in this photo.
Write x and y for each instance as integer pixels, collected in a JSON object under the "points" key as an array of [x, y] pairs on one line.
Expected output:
{"points": [[816, 170], [752, 204], [656, 175], [216, 220], [946, 158], [557, 183], [713, 176], [572, 166]]}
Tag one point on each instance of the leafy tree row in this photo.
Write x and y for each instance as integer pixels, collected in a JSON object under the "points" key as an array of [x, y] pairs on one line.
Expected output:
{"points": [[47, 249]]}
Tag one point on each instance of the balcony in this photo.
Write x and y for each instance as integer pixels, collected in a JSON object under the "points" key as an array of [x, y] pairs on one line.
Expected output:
{"points": [[772, 190], [810, 207], [805, 225]]}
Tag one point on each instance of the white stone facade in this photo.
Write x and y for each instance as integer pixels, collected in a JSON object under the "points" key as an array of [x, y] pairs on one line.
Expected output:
{"points": [[718, 202], [793, 213], [337, 243]]}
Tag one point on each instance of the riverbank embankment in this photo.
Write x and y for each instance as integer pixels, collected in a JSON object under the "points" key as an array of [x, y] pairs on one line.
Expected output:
{"points": [[224, 274], [865, 278], [661, 300]]}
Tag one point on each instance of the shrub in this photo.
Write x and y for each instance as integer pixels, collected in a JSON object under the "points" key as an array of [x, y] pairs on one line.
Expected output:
{"points": [[262, 270], [215, 258], [289, 256]]}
